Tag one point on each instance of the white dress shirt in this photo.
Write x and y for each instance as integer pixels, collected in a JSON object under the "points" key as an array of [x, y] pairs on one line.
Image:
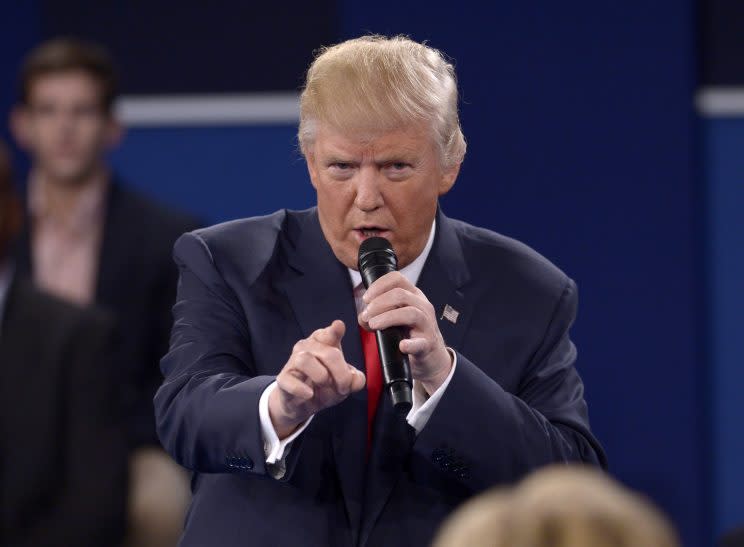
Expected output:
{"points": [[423, 405]]}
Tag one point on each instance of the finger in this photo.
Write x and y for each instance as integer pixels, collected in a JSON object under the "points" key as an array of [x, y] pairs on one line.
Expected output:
{"points": [[414, 346], [332, 334], [332, 358], [410, 317], [294, 387], [306, 363], [358, 379], [396, 297], [341, 372], [385, 283]]}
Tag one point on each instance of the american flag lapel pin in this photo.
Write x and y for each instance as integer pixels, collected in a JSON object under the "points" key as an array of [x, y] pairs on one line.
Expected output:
{"points": [[450, 314]]}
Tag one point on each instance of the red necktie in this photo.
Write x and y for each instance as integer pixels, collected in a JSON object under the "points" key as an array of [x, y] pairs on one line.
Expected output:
{"points": [[374, 378]]}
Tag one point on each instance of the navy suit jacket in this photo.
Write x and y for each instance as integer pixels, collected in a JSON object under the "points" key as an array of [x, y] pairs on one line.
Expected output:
{"points": [[250, 289]]}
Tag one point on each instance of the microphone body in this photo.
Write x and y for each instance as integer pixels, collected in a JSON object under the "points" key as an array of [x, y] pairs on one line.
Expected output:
{"points": [[377, 258]]}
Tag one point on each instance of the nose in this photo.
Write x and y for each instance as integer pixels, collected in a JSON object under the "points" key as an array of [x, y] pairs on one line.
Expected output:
{"points": [[368, 195]]}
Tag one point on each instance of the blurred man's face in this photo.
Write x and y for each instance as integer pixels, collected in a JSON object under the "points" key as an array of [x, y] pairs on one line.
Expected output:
{"points": [[386, 185], [64, 126]]}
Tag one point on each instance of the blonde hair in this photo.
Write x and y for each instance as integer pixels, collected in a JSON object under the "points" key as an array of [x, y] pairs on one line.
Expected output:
{"points": [[375, 84], [559, 506]]}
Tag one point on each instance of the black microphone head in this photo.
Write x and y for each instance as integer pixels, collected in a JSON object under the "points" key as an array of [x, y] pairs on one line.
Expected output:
{"points": [[376, 258]]}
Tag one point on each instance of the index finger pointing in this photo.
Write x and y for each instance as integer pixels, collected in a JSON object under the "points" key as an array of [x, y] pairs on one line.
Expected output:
{"points": [[332, 334]]}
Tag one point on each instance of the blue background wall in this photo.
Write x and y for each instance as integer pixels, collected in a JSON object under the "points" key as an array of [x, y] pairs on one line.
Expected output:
{"points": [[582, 143]]}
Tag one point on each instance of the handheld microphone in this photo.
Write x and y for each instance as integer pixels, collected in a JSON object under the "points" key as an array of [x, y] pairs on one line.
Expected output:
{"points": [[376, 258]]}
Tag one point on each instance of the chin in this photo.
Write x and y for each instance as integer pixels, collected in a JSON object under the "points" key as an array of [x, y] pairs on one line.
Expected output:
{"points": [[69, 174]]}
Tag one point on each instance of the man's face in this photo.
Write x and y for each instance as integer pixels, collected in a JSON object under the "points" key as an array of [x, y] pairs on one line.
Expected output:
{"points": [[64, 125], [386, 185]]}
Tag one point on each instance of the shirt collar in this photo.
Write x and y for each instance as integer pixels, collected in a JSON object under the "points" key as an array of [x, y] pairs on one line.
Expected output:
{"points": [[412, 272], [86, 212]]}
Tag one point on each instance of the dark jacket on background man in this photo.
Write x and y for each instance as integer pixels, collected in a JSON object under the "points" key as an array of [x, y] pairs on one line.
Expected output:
{"points": [[62, 447]]}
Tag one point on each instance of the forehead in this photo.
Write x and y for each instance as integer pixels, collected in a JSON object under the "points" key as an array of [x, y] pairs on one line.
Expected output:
{"points": [[69, 84], [413, 139]]}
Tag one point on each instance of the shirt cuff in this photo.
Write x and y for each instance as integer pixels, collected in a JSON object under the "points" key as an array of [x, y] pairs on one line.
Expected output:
{"points": [[275, 450], [423, 404]]}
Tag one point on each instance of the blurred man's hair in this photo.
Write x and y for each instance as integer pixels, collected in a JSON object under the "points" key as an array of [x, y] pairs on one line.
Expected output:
{"points": [[377, 84], [10, 207], [61, 55], [559, 506]]}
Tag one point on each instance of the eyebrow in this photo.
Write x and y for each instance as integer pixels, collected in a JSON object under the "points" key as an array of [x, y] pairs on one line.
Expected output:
{"points": [[338, 159]]}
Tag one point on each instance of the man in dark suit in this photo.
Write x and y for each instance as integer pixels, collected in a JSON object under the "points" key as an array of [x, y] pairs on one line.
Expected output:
{"points": [[62, 446], [264, 391], [90, 240]]}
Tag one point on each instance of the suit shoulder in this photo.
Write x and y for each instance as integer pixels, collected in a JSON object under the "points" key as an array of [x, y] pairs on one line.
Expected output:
{"points": [[244, 231], [493, 251], [242, 247]]}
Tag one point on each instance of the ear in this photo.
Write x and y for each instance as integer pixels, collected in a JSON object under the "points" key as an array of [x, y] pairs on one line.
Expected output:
{"points": [[19, 126], [448, 179]]}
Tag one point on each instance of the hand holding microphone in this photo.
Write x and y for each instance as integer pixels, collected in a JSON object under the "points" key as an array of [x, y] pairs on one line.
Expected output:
{"points": [[402, 316]]}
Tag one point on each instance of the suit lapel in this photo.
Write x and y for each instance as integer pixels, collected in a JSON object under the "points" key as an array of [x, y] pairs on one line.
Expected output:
{"points": [[19, 354], [442, 279], [319, 290], [116, 240], [22, 250]]}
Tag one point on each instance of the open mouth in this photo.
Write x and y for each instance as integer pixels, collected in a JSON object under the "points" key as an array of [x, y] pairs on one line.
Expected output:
{"points": [[366, 232]]}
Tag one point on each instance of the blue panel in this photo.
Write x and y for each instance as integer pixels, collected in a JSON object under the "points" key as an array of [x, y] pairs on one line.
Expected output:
{"points": [[218, 173], [724, 140]]}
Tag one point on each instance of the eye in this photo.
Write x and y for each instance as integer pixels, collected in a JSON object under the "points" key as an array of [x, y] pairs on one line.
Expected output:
{"points": [[44, 109], [86, 110], [398, 170], [341, 170]]}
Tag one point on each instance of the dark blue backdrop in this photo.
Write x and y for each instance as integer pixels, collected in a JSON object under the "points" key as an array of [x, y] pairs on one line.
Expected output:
{"points": [[583, 144]]}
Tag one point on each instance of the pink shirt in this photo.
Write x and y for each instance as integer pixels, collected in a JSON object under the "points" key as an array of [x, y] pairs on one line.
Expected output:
{"points": [[65, 246]]}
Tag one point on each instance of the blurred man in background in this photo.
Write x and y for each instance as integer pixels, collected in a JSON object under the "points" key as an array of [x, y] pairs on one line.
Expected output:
{"points": [[91, 240], [62, 448]]}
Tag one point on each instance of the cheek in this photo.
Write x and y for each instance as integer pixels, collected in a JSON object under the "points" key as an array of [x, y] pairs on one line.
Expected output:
{"points": [[334, 201]]}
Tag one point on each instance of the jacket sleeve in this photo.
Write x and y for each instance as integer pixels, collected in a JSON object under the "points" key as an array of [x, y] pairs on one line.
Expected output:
{"points": [[160, 321], [479, 433], [207, 407]]}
